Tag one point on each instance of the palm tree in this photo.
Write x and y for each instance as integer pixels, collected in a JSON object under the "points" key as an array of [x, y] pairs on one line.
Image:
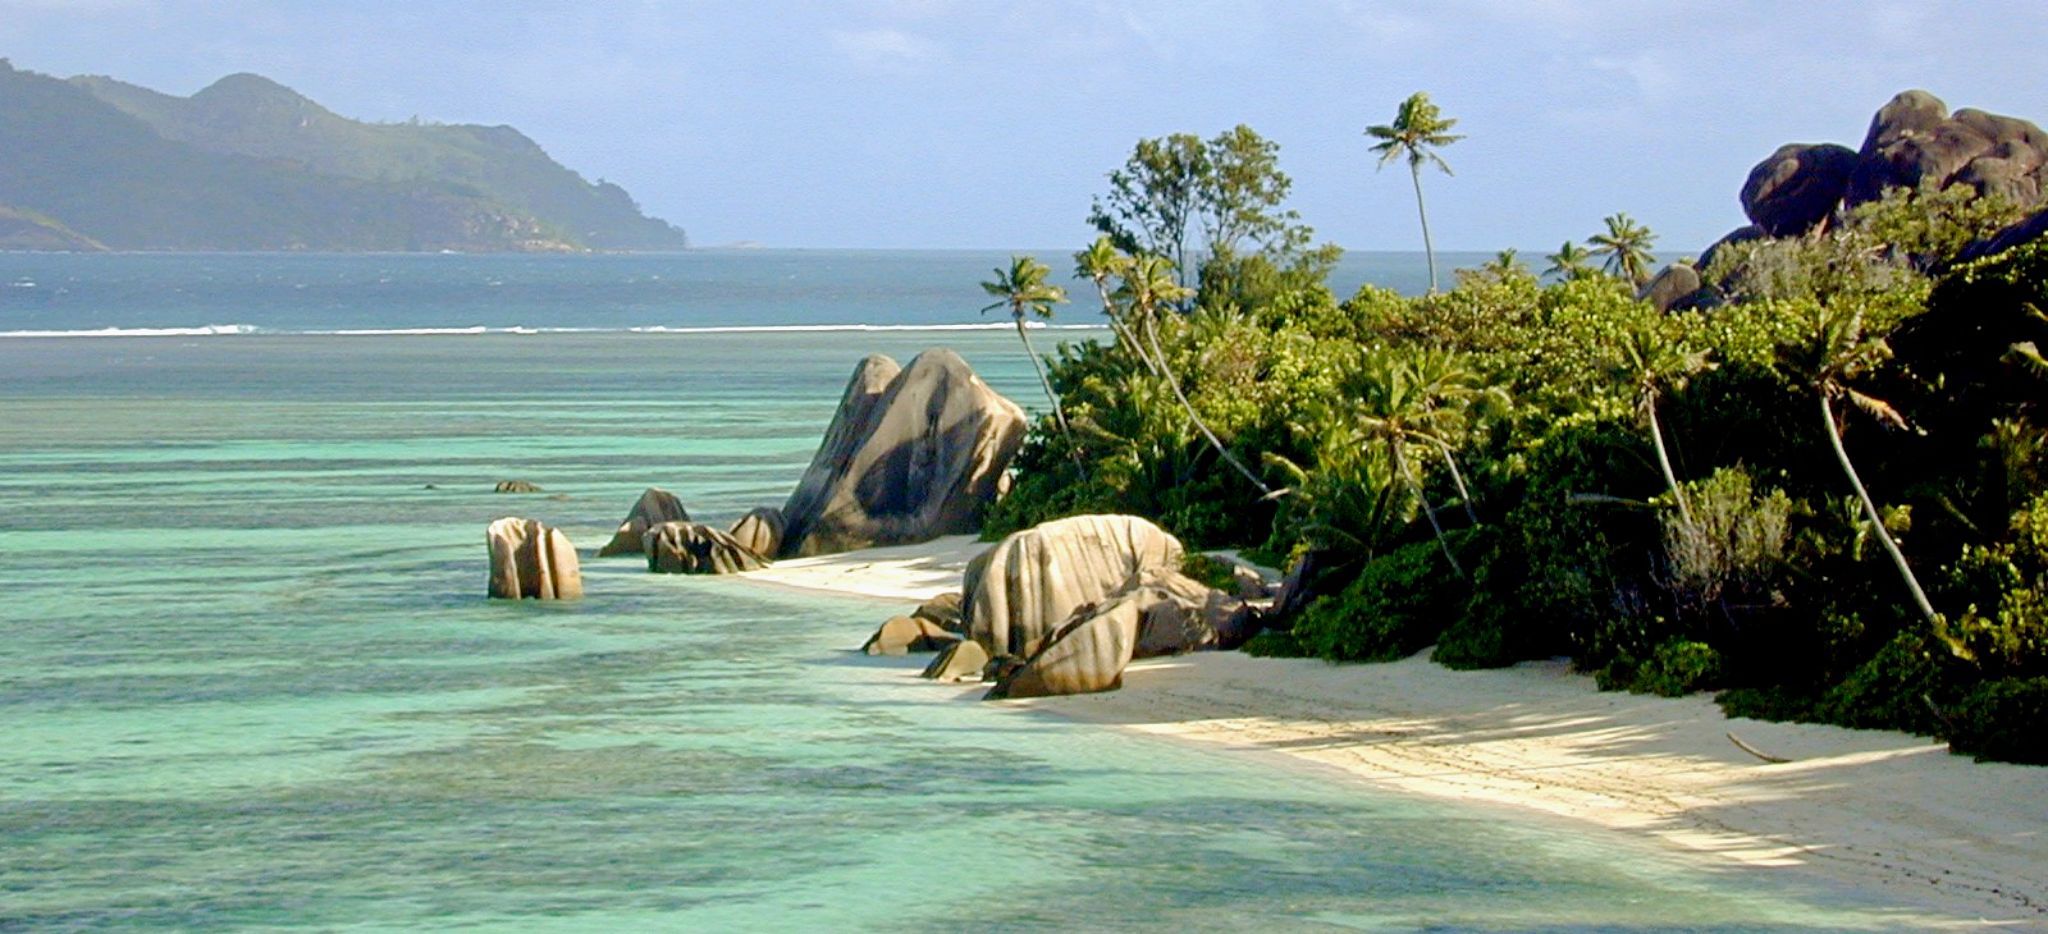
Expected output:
{"points": [[1656, 361], [1505, 264], [1425, 396], [1834, 351], [1626, 244], [1571, 261], [1148, 285], [1417, 131], [1098, 263], [1024, 291]]}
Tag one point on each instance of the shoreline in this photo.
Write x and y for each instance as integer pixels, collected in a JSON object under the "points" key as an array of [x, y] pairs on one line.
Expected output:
{"points": [[1887, 818]]}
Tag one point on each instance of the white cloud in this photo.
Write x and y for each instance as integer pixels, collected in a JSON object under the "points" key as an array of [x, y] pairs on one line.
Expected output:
{"points": [[888, 50], [1653, 78], [1383, 27]]}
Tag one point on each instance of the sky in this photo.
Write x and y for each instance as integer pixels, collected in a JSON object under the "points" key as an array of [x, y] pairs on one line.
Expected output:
{"points": [[985, 125]]}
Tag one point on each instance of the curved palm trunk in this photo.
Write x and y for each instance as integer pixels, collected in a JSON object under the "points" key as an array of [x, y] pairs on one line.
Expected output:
{"points": [[1664, 457], [1057, 415], [1457, 478], [1827, 412], [1428, 511], [1123, 331], [1415, 172], [1441, 541], [1173, 382]]}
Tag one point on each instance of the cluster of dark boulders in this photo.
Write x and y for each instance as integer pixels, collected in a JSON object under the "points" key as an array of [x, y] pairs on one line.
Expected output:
{"points": [[912, 453], [1913, 142], [696, 548], [655, 507], [1063, 608]]}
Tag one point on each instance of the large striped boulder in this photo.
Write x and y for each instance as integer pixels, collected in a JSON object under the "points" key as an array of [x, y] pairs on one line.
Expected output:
{"points": [[912, 454], [1018, 592], [531, 560]]}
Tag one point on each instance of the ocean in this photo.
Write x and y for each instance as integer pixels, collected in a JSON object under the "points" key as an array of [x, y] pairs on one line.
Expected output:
{"points": [[251, 680]]}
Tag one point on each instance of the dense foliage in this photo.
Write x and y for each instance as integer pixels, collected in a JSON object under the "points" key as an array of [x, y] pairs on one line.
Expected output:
{"points": [[1822, 490]]}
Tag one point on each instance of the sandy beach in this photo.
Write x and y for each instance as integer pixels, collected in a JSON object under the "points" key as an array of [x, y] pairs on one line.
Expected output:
{"points": [[1894, 819]]}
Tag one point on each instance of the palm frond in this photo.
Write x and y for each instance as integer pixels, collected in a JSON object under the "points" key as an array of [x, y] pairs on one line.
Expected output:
{"points": [[2027, 357], [1875, 407]]}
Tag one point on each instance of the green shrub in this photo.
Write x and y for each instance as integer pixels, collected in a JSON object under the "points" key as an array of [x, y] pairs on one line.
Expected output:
{"points": [[1468, 644], [1735, 538], [1770, 702], [2005, 625], [1675, 669], [1210, 570], [1398, 604], [1276, 643], [2002, 720], [1680, 668], [1897, 689]]}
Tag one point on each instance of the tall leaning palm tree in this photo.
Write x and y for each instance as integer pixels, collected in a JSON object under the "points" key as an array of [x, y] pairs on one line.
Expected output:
{"points": [[1418, 130], [1023, 290], [1626, 244], [1149, 287], [1833, 351], [1099, 263]]}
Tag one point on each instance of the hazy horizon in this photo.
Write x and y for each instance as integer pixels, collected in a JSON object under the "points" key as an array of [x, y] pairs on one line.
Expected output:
{"points": [[929, 124]]}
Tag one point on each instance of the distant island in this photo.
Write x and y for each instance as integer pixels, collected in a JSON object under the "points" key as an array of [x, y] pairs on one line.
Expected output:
{"points": [[248, 164]]}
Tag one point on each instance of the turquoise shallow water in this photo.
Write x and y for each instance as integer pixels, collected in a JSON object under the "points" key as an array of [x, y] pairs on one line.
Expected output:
{"points": [[251, 681]]}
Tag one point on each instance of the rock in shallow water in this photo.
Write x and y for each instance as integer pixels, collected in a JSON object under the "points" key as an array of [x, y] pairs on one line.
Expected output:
{"points": [[902, 635], [944, 610], [959, 661], [760, 531], [696, 548], [531, 560], [911, 454], [654, 507]]}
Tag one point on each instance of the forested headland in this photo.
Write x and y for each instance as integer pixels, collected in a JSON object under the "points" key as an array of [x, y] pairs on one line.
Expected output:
{"points": [[248, 164]]}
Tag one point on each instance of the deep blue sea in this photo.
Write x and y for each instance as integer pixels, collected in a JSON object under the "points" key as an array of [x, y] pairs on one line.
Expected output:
{"points": [[251, 681], [355, 293]]}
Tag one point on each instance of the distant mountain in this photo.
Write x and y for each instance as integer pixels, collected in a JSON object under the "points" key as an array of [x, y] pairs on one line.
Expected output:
{"points": [[249, 164]]}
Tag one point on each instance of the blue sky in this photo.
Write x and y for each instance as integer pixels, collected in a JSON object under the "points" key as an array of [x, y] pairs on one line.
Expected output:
{"points": [[954, 123]]}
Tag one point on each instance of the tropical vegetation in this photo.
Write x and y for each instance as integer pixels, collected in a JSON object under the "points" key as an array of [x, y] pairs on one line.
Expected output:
{"points": [[1821, 490]]}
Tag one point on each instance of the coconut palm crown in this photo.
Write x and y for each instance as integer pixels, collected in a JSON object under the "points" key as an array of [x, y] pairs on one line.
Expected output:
{"points": [[1418, 131], [1023, 290], [1626, 244]]}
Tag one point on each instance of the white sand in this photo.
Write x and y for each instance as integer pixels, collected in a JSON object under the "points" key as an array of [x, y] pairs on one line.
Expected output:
{"points": [[1894, 818], [906, 572]]}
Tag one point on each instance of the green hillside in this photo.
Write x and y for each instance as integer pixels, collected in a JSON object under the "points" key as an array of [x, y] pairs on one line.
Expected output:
{"points": [[247, 164]]}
